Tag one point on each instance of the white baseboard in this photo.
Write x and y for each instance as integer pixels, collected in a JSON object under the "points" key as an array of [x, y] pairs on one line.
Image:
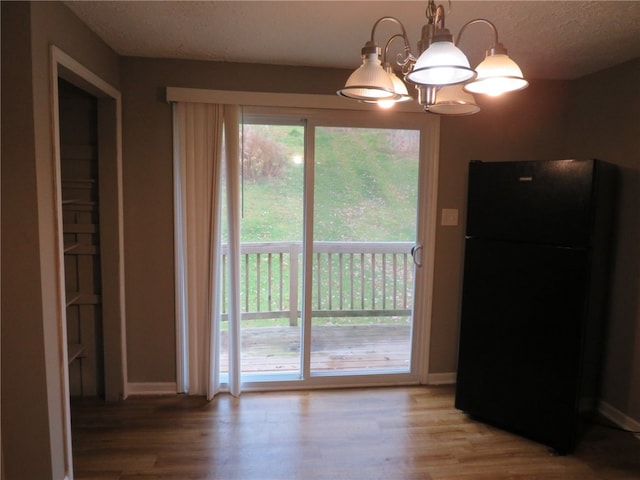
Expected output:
{"points": [[448, 378], [617, 417], [152, 388]]}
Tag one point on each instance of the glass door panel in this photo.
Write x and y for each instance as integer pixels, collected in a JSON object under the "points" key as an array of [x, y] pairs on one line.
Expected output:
{"points": [[271, 229], [364, 227]]}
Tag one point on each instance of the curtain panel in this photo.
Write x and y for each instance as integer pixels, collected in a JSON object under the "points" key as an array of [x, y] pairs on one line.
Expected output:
{"points": [[199, 146]]}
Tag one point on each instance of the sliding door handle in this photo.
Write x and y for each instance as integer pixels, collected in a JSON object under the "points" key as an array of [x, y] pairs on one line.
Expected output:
{"points": [[415, 253]]}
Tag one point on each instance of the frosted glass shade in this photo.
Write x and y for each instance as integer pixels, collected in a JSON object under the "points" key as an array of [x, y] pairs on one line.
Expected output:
{"points": [[453, 100], [497, 74], [399, 88], [370, 82], [441, 64]]}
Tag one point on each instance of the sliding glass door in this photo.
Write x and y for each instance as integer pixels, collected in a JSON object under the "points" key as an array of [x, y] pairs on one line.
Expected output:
{"points": [[329, 223]]}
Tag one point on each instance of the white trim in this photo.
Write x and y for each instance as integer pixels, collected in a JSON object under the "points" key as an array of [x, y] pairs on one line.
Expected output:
{"points": [[307, 246], [180, 314], [448, 378], [60, 293], [281, 100], [83, 77], [332, 382], [152, 388], [617, 417]]}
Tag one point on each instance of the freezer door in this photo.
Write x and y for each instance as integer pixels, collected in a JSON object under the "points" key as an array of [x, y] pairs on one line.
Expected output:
{"points": [[538, 202], [520, 338]]}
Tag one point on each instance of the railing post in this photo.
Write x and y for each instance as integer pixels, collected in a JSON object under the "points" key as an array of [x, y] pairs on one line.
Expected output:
{"points": [[293, 285]]}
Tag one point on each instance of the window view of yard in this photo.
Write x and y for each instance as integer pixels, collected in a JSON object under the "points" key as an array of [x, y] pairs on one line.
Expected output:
{"points": [[364, 217]]}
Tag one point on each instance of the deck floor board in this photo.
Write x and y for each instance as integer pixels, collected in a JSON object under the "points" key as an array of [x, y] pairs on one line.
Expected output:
{"points": [[334, 347]]}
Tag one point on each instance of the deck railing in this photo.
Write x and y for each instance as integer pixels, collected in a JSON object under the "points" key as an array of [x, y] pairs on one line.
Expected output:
{"points": [[363, 279]]}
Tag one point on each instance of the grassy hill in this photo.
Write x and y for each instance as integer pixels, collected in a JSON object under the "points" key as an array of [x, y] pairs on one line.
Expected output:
{"points": [[365, 184]]}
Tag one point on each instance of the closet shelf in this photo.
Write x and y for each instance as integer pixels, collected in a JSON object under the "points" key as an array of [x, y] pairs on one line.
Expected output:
{"points": [[80, 228], [72, 298], [80, 249], [76, 201], [74, 350], [79, 298], [81, 181], [78, 152]]}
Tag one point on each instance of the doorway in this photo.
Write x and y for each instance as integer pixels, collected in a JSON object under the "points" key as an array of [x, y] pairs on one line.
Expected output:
{"points": [[96, 187], [80, 206]]}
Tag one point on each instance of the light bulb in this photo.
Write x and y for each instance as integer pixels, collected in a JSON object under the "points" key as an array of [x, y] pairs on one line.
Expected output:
{"points": [[386, 103]]}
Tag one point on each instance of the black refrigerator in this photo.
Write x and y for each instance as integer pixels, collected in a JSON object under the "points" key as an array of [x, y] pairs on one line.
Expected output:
{"points": [[538, 238]]}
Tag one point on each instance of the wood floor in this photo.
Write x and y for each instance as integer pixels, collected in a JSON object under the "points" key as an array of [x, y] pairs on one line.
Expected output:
{"points": [[387, 433]]}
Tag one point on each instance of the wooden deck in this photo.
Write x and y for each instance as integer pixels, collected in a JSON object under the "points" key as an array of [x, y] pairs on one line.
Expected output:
{"points": [[384, 347]]}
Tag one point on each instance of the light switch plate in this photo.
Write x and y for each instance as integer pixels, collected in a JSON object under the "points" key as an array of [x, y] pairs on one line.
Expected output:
{"points": [[449, 217]]}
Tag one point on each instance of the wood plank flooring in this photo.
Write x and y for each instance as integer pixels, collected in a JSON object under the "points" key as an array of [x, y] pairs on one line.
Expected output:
{"points": [[383, 433]]}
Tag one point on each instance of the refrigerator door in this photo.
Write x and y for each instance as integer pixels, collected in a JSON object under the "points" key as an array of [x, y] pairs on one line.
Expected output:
{"points": [[536, 202], [520, 338]]}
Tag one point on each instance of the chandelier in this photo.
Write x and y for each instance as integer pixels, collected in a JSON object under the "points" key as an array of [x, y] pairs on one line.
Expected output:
{"points": [[441, 74]]}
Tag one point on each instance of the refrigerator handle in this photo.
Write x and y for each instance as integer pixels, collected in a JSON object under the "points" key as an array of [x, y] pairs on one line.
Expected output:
{"points": [[417, 259]]}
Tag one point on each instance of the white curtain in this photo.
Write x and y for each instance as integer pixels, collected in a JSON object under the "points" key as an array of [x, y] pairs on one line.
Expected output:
{"points": [[198, 158]]}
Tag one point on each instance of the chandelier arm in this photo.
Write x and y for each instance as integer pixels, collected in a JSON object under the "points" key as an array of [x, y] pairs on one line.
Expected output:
{"points": [[439, 17], [407, 48], [402, 60], [386, 47], [479, 20], [431, 11], [435, 14]]}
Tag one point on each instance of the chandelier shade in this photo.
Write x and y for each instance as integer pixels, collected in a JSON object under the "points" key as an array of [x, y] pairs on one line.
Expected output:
{"points": [[497, 74], [453, 100], [400, 89], [441, 64], [369, 83]]}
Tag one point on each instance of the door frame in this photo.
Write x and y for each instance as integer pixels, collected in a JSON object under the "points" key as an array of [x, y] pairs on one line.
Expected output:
{"points": [[111, 238]]}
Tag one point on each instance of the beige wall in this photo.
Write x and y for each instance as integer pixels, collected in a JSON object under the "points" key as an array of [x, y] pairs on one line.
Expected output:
{"points": [[525, 125], [604, 123], [25, 424], [32, 397]]}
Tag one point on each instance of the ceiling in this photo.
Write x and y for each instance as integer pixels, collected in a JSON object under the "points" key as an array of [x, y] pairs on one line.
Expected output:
{"points": [[548, 39]]}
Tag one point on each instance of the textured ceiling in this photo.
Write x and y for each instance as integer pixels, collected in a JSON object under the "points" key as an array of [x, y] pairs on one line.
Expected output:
{"points": [[548, 39]]}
